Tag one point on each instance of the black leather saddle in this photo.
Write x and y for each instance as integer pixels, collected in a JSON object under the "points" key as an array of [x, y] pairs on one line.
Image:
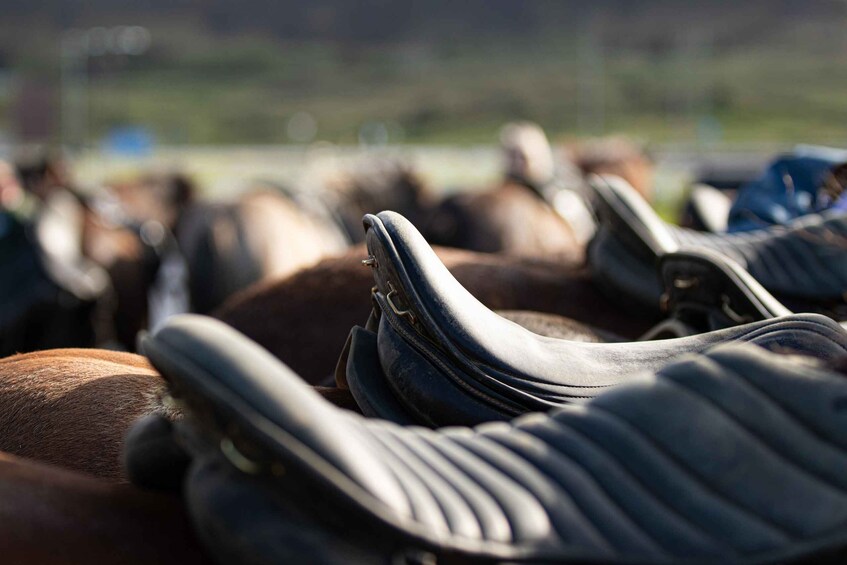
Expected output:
{"points": [[803, 264], [434, 355], [736, 456], [706, 290]]}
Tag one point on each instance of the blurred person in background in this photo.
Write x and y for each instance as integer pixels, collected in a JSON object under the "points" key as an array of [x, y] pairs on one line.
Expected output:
{"points": [[529, 161], [49, 292], [527, 156], [59, 223], [11, 191]]}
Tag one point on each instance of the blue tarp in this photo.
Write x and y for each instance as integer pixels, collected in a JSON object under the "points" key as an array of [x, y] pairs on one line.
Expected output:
{"points": [[129, 141], [789, 188]]}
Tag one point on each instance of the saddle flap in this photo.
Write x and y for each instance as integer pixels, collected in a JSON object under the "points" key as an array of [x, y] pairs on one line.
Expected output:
{"points": [[366, 381], [244, 389]]}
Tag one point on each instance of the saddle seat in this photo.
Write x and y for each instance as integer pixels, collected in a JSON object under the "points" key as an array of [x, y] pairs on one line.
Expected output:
{"points": [[805, 261], [437, 356], [736, 456]]}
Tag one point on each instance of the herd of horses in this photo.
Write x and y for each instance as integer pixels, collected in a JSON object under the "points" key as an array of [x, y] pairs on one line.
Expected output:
{"points": [[286, 274]]}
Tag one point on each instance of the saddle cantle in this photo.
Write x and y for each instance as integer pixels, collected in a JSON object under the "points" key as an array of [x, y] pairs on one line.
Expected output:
{"points": [[435, 355], [804, 264], [736, 456]]}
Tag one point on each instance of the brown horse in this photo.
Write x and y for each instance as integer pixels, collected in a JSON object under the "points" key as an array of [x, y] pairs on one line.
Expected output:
{"points": [[305, 318], [515, 216], [378, 184], [155, 248], [55, 516], [510, 219], [617, 156], [166, 252], [73, 407]]}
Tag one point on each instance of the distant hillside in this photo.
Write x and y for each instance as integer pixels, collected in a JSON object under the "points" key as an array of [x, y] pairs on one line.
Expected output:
{"points": [[222, 71], [626, 21]]}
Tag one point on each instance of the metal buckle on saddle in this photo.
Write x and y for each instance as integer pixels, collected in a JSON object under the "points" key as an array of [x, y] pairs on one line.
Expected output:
{"points": [[679, 284], [372, 262], [401, 313]]}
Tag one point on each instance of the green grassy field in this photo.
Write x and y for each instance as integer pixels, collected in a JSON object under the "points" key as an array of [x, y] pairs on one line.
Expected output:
{"points": [[244, 91], [706, 72]]}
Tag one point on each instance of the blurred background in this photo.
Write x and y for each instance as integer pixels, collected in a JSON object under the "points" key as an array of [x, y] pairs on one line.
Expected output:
{"points": [[161, 156], [226, 90]]}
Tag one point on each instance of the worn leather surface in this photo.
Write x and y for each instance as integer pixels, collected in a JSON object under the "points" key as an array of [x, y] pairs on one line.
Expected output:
{"points": [[806, 259], [450, 344], [735, 456]]}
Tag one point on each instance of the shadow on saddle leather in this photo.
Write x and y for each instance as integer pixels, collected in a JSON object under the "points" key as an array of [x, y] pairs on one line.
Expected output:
{"points": [[804, 264], [434, 355], [735, 456]]}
